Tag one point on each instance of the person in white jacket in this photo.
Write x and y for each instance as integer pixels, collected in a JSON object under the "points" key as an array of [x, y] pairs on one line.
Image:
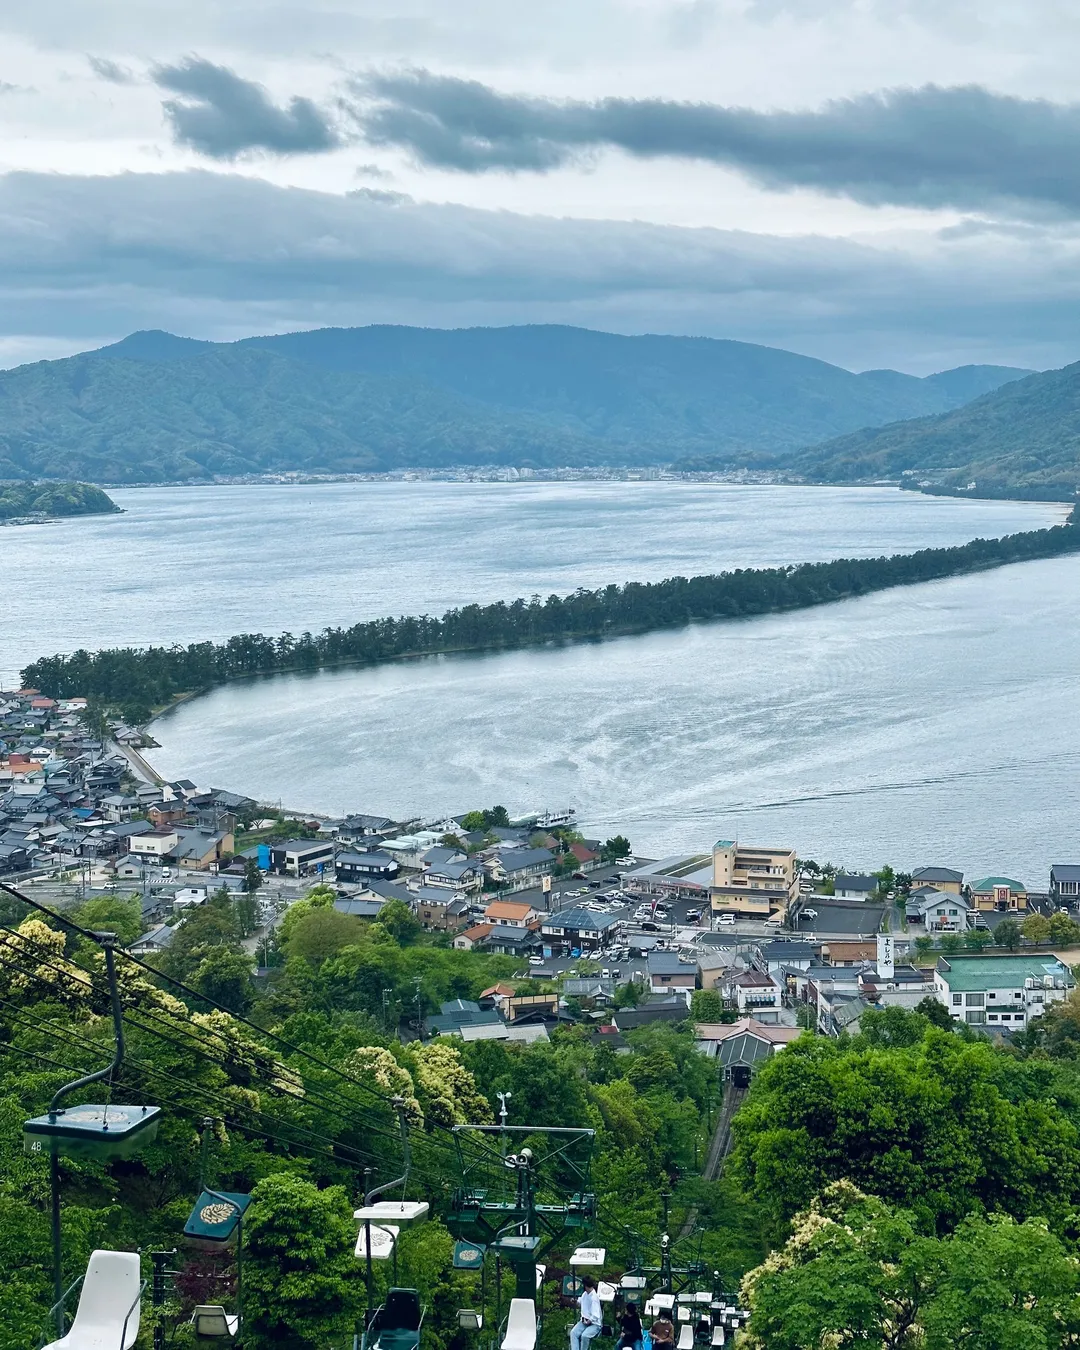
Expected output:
{"points": [[592, 1316]]}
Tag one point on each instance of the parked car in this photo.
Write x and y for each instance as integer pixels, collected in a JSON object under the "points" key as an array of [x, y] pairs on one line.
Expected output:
{"points": [[728, 920], [536, 960]]}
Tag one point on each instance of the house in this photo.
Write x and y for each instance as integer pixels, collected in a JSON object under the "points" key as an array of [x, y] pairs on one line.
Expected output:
{"points": [[575, 930], [503, 940], [586, 858], [362, 826], [458, 873], [1064, 885], [458, 1013], [157, 940], [752, 881], [853, 886], [713, 965], [498, 1031], [409, 849], [358, 868], [671, 1009], [841, 953], [740, 1047], [154, 845], [197, 850], [999, 893], [366, 906], [757, 995], [472, 937], [1001, 992], [301, 857], [774, 956], [941, 878], [590, 991], [669, 974], [497, 994], [184, 897], [518, 868], [440, 909], [532, 1007], [512, 913], [166, 813], [939, 911]]}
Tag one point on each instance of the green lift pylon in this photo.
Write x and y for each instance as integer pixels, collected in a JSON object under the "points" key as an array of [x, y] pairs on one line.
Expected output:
{"points": [[519, 1205]]}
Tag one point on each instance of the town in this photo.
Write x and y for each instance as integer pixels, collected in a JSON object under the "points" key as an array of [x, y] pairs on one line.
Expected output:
{"points": [[751, 943]]}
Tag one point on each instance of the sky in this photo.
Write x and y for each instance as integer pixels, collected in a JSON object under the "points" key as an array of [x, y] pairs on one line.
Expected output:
{"points": [[873, 182]]}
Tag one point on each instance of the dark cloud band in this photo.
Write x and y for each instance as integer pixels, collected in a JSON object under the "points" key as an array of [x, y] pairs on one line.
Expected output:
{"points": [[931, 147], [224, 116], [224, 255]]}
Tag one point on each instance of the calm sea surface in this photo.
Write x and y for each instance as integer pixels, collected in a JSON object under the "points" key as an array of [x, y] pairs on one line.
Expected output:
{"points": [[936, 723]]}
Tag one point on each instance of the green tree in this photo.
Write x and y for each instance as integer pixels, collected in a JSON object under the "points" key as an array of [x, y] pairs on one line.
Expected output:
{"points": [[322, 933], [399, 921], [1063, 930], [1008, 934], [253, 877], [977, 939], [110, 913], [1036, 928], [935, 1013], [618, 846], [951, 943], [706, 1005], [924, 945], [300, 1278], [224, 975]]}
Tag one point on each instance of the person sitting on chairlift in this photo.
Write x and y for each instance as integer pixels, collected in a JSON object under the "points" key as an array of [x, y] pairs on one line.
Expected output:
{"points": [[592, 1317], [632, 1334], [662, 1332]]}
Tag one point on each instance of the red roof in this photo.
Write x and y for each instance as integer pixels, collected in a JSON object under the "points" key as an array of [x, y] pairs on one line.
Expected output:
{"points": [[583, 854]]}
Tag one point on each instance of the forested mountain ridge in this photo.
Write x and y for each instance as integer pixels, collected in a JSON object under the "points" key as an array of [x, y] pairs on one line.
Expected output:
{"points": [[1021, 440], [53, 500], [156, 407]]}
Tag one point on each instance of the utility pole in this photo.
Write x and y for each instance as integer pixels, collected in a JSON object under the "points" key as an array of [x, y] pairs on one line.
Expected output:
{"points": [[419, 1018], [385, 1006]]}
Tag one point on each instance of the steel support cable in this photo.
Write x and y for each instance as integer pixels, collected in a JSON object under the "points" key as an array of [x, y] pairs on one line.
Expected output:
{"points": [[320, 1095], [348, 1111], [47, 1029], [183, 1107], [194, 993], [199, 1040]]}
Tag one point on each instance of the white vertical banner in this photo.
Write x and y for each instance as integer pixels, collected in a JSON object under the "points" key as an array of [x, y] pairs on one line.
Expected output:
{"points": [[886, 957]]}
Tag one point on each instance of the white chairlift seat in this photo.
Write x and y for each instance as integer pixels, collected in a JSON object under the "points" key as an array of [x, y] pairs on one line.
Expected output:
{"points": [[686, 1337], [684, 1313], [718, 1335], [541, 1271], [211, 1319], [520, 1325], [661, 1303], [111, 1294], [633, 1281], [589, 1256], [606, 1292]]}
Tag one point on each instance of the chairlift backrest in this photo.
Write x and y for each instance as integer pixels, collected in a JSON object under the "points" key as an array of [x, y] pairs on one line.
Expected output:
{"points": [[211, 1319], [110, 1292], [520, 1325], [401, 1311]]}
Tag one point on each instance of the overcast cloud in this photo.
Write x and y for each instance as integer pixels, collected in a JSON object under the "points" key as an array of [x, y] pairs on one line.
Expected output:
{"points": [[223, 116], [218, 255], [878, 182], [930, 147]]}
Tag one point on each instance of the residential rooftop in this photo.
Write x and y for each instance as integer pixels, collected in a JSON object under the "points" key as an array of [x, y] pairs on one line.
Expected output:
{"points": [[976, 974]]}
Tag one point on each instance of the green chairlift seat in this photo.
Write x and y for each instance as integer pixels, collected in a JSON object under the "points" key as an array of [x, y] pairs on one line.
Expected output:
{"points": [[396, 1325]]}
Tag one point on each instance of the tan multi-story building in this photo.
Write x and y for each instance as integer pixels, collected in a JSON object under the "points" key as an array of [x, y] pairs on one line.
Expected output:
{"points": [[752, 881]]}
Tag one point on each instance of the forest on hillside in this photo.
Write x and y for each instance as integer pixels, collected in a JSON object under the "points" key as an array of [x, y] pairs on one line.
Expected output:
{"points": [[53, 500]]}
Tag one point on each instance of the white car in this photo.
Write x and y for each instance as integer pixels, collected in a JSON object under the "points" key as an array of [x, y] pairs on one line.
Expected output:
{"points": [[536, 960], [728, 920], [605, 974], [810, 913]]}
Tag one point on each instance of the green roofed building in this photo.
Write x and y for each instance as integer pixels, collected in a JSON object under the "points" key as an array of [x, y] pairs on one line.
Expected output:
{"points": [[1001, 993], [1004, 894]]}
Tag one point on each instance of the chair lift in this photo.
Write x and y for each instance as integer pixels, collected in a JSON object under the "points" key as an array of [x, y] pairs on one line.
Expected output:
{"points": [[95, 1130], [215, 1224], [395, 1325], [110, 1302], [520, 1325]]}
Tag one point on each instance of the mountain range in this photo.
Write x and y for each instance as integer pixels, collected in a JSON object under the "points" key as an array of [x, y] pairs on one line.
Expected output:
{"points": [[1023, 440], [155, 407]]}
